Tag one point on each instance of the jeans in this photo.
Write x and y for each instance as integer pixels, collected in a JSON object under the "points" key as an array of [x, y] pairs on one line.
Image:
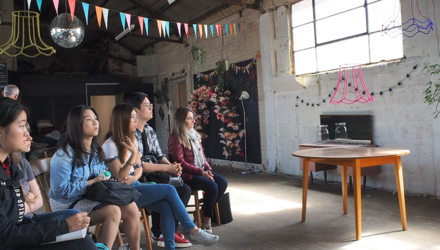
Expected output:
{"points": [[184, 193], [213, 191], [163, 198]]}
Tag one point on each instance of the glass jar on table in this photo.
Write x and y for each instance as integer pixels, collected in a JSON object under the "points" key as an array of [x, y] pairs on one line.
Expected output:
{"points": [[322, 134]]}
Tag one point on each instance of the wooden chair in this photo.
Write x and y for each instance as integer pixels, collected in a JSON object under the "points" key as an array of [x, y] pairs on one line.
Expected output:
{"points": [[50, 152], [198, 202], [41, 169]]}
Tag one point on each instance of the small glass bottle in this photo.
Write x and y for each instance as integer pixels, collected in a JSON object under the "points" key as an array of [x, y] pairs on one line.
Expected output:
{"points": [[340, 131], [106, 174], [322, 134]]}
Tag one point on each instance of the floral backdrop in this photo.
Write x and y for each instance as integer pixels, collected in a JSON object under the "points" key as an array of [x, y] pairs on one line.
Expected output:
{"points": [[219, 115]]}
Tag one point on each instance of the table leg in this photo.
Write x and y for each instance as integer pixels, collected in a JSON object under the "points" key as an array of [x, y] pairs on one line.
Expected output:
{"points": [[344, 188], [305, 187], [400, 191], [357, 198]]}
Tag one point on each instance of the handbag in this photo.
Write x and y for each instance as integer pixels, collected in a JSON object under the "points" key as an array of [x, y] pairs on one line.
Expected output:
{"points": [[112, 193], [224, 207], [164, 177]]}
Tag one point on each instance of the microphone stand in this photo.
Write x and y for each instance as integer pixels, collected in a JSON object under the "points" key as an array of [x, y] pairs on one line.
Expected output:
{"points": [[245, 132]]}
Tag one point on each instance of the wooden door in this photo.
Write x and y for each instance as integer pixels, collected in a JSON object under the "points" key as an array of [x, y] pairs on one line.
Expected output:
{"points": [[103, 104], [181, 93]]}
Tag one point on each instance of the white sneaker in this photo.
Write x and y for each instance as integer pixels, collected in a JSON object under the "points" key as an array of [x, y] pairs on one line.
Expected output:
{"points": [[204, 238], [125, 247]]}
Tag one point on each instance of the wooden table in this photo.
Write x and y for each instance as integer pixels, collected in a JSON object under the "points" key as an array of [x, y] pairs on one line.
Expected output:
{"points": [[357, 158]]}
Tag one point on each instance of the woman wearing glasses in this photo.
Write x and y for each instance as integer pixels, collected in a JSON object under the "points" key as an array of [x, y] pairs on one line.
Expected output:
{"points": [[184, 147], [123, 161]]}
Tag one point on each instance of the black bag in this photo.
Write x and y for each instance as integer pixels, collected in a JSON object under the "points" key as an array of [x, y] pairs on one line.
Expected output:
{"points": [[164, 177], [224, 207], [112, 193]]}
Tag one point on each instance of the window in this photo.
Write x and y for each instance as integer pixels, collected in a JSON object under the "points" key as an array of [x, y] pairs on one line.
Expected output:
{"points": [[330, 33]]}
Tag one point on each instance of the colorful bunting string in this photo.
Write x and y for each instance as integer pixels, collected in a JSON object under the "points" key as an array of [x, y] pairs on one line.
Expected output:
{"points": [[163, 26]]}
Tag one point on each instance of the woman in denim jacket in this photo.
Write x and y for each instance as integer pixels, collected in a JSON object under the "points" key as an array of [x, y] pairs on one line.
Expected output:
{"points": [[75, 166]]}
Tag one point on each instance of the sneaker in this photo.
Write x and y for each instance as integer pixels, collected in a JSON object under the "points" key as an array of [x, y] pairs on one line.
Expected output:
{"points": [[125, 247], [207, 228], [179, 241], [155, 239], [204, 238]]}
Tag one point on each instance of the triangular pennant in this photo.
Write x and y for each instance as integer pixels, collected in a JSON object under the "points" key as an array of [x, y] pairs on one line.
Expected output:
{"points": [[186, 29], [146, 25], [227, 31], [235, 29], [201, 30], [29, 4], [56, 3], [178, 28], [72, 8], [212, 29], [167, 26], [86, 11], [159, 27], [128, 17], [220, 29], [216, 27], [206, 31], [230, 28], [39, 4], [105, 14], [122, 19], [98, 15], [164, 28], [241, 27], [141, 24], [195, 30]]}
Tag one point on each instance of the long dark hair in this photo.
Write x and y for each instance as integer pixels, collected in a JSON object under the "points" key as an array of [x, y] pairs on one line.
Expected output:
{"points": [[10, 110], [75, 136], [120, 128], [135, 99]]}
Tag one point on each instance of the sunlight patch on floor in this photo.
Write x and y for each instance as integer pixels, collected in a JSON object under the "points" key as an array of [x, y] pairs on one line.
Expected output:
{"points": [[248, 202], [379, 242]]}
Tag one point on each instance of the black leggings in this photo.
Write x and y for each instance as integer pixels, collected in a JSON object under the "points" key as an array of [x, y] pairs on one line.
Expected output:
{"points": [[81, 244]]}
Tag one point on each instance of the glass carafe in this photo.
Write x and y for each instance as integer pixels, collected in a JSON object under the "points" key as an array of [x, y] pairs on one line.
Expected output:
{"points": [[322, 134], [340, 131]]}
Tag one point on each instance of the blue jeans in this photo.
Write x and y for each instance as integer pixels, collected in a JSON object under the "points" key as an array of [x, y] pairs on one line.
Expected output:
{"points": [[163, 198], [213, 191], [54, 216]]}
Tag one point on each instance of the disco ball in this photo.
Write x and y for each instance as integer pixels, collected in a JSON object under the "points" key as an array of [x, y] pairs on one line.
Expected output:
{"points": [[65, 32]]}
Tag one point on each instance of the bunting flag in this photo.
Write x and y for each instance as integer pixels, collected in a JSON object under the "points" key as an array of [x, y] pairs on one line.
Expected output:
{"points": [[56, 3], [232, 66], [159, 27], [238, 24], [220, 29], [235, 30], [212, 29], [141, 24], [216, 27], [105, 14], [29, 4], [72, 8], [200, 31], [98, 15], [85, 9], [206, 31], [128, 17], [164, 29], [167, 26], [39, 4], [122, 19], [195, 30], [146, 25], [178, 28], [227, 31], [186, 29], [230, 28]]}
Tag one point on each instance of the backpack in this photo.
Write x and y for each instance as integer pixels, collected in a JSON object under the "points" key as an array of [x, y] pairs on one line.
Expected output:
{"points": [[112, 193]]}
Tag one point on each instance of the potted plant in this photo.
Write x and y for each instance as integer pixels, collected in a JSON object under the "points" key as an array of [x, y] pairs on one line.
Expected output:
{"points": [[432, 92], [221, 66], [199, 56]]}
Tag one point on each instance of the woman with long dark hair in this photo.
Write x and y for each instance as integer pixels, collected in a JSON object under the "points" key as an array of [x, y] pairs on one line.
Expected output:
{"points": [[184, 146], [123, 161], [75, 166], [18, 231]]}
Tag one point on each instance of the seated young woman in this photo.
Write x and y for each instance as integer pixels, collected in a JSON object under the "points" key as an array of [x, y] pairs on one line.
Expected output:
{"points": [[184, 146], [18, 231], [123, 161], [75, 166]]}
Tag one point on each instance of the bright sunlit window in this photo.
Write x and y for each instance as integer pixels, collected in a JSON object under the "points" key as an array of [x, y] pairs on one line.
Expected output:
{"points": [[330, 33]]}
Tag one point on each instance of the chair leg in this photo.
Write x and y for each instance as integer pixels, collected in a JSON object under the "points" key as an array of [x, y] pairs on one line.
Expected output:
{"points": [[217, 214], [311, 177], [197, 209], [147, 229], [97, 229], [365, 181], [119, 238]]}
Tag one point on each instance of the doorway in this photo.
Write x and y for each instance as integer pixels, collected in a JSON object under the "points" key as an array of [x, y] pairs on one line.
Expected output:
{"points": [[103, 104], [181, 95]]}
